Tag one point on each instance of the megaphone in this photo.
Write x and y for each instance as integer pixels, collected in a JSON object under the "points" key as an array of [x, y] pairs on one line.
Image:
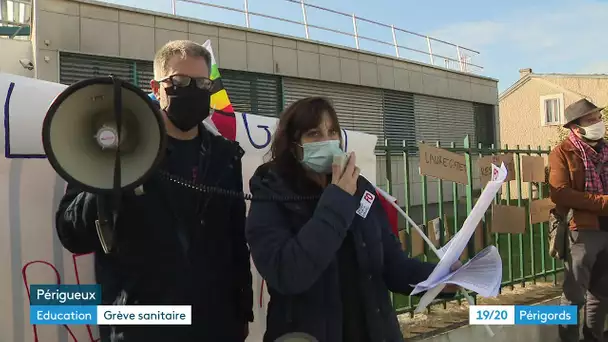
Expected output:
{"points": [[104, 135]]}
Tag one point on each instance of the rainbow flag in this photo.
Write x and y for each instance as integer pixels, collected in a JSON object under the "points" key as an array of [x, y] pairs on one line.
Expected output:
{"points": [[223, 114]]}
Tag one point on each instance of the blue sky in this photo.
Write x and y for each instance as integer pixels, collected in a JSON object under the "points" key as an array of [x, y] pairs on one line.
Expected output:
{"points": [[549, 36]]}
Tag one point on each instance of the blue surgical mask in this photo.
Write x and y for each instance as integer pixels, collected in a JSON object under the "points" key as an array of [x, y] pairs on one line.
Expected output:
{"points": [[319, 156]]}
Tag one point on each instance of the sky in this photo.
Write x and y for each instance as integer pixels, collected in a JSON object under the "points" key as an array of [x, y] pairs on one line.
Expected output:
{"points": [[549, 36]]}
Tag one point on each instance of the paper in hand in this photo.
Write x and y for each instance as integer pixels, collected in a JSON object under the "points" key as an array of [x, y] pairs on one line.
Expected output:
{"points": [[450, 253], [482, 274]]}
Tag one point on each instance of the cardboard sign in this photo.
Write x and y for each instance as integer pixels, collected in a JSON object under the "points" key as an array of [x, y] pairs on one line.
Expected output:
{"points": [[532, 169], [446, 227], [539, 210], [465, 254], [485, 166], [434, 231], [479, 238], [448, 235], [417, 247], [479, 242], [508, 219], [403, 239], [442, 164]]}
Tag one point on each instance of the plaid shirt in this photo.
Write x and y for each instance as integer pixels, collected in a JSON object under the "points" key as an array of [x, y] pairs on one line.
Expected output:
{"points": [[595, 178]]}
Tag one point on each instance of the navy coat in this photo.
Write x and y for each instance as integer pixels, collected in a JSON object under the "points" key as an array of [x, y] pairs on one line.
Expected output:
{"points": [[149, 267], [295, 249]]}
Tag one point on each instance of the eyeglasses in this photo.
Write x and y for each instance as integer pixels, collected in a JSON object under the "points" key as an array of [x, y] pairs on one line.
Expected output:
{"points": [[182, 81]]}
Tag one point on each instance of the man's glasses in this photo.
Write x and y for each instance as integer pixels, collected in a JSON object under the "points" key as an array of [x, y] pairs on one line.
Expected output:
{"points": [[181, 81]]}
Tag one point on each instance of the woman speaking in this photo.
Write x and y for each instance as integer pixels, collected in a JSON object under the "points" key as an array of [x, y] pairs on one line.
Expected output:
{"points": [[329, 266]]}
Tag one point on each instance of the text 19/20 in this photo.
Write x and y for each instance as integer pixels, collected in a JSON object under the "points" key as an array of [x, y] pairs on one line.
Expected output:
{"points": [[491, 315]]}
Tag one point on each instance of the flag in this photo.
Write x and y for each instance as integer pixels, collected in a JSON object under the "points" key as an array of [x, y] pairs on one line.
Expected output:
{"points": [[223, 116], [391, 212]]}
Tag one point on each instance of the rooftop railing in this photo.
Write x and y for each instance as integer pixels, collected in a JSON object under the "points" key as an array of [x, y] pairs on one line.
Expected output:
{"points": [[439, 52], [15, 17]]}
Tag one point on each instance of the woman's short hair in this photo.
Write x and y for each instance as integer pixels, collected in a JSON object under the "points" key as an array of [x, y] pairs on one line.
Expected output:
{"points": [[298, 118]]}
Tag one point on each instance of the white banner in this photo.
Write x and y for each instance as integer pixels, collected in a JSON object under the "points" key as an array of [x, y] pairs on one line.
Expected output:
{"points": [[30, 190]]}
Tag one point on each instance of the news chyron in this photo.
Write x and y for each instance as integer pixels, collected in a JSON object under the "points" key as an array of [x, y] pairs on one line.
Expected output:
{"points": [[523, 315], [81, 305]]}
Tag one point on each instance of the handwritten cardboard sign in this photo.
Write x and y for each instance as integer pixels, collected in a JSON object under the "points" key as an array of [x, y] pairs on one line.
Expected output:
{"points": [[442, 164], [539, 210], [532, 169], [508, 219], [485, 166]]}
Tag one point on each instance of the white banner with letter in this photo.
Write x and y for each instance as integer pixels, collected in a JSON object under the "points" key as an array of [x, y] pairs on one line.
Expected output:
{"points": [[30, 190]]}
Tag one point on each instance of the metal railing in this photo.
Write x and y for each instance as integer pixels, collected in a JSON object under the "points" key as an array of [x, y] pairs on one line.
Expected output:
{"points": [[525, 256], [15, 18], [460, 58]]}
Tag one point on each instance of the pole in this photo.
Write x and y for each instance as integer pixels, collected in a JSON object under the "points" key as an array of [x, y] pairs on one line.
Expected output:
{"points": [[303, 5], [355, 29], [395, 41], [428, 43], [459, 58], [247, 14]]}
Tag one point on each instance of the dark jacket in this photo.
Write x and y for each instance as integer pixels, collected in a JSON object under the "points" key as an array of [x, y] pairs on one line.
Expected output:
{"points": [[567, 188], [294, 249], [149, 264]]}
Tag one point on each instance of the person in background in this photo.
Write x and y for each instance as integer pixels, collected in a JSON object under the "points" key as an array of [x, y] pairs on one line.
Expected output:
{"points": [[578, 179], [174, 245], [329, 263]]}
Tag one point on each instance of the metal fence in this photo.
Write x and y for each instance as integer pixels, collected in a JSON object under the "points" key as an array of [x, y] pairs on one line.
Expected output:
{"points": [[525, 256], [15, 18], [452, 56]]}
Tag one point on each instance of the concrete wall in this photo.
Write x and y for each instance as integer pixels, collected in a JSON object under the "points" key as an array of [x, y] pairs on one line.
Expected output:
{"points": [[109, 30], [11, 51]]}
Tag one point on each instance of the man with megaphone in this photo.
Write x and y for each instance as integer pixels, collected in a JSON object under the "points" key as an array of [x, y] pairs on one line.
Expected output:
{"points": [[170, 245]]}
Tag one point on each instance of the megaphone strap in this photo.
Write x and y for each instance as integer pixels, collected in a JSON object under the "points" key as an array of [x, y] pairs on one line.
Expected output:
{"points": [[230, 193]]}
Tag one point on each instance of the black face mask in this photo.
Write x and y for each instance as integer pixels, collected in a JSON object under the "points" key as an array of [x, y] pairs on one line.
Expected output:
{"points": [[187, 107]]}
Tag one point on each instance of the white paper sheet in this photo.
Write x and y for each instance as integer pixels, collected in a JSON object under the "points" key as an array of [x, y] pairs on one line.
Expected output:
{"points": [[440, 253], [482, 274], [451, 252]]}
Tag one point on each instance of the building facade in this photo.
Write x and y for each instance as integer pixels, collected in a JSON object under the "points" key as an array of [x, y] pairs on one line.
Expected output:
{"points": [[531, 111], [392, 98]]}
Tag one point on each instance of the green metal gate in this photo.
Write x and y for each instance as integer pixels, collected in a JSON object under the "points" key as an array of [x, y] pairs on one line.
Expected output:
{"points": [[525, 256]]}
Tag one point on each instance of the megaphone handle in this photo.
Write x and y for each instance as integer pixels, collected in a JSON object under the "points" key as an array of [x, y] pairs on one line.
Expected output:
{"points": [[117, 163], [104, 227]]}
